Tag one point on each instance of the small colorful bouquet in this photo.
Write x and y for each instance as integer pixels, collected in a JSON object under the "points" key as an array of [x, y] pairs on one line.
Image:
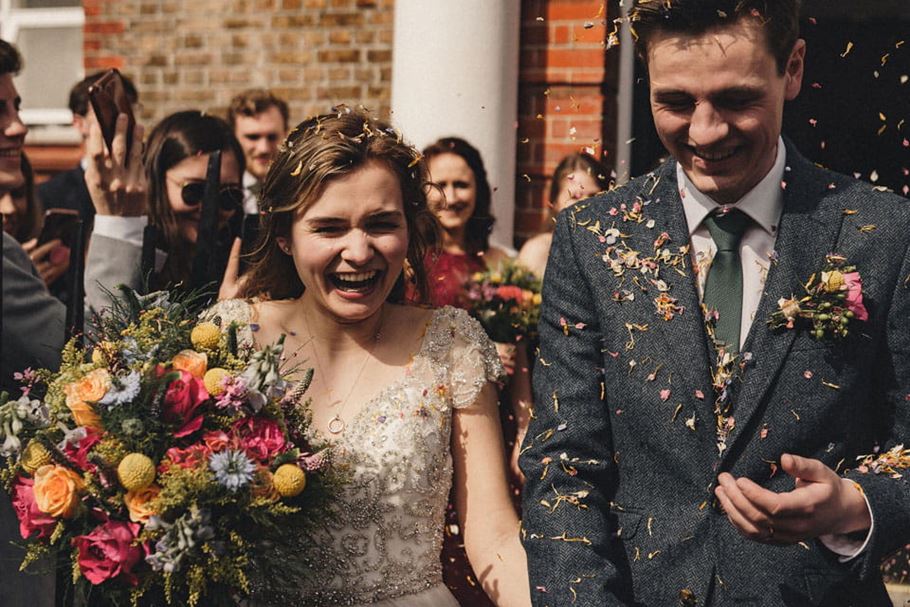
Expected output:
{"points": [[160, 462], [834, 298], [506, 301]]}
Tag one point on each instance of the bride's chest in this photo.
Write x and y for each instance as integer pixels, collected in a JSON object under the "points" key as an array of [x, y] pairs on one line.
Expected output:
{"points": [[399, 441]]}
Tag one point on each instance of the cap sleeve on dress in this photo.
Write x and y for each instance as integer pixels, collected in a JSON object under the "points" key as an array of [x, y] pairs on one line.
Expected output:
{"points": [[232, 310], [471, 360]]}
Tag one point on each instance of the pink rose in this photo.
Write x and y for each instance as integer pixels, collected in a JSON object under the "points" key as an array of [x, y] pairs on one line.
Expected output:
{"points": [[260, 438], [855, 296], [108, 552], [184, 458], [183, 397], [78, 453], [31, 519], [216, 440]]}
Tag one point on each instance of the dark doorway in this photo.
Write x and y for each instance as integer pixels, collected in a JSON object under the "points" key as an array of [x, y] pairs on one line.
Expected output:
{"points": [[853, 114]]}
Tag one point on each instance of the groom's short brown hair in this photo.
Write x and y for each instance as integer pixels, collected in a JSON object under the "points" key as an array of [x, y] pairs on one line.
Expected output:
{"points": [[694, 17]]}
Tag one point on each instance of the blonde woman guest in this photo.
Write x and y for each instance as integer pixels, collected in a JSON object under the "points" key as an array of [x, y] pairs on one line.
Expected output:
{"points": [[577, 176]]}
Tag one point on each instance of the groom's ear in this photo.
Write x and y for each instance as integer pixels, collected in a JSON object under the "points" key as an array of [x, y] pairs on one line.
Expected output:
{"points": [[793, 75]]}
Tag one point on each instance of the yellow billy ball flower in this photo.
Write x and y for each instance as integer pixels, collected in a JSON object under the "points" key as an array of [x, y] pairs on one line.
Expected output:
{"points": [[205, 336], [136, 471], [289, 480], [34, 456], [212, 380]]}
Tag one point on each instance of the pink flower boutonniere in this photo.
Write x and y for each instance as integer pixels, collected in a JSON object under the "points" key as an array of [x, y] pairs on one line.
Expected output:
{"points": [[833, 301]]}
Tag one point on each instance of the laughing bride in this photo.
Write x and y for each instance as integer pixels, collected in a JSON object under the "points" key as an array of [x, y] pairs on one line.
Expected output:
{"points": [[404, 395]]}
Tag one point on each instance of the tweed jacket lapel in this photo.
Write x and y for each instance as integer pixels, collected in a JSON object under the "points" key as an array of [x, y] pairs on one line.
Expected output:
{"points": [[684, 336], [808, 231]]}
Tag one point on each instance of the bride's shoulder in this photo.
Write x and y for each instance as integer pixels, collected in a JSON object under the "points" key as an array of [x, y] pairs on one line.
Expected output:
{"points": [[229, 310], [454, 329]]}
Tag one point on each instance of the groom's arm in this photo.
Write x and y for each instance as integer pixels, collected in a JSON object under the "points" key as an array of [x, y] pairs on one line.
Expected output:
{"points": [[889, 494], [567, 455]]}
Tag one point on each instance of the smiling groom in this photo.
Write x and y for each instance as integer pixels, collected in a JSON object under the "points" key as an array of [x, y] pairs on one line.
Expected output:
{"points": [[723, 388]]}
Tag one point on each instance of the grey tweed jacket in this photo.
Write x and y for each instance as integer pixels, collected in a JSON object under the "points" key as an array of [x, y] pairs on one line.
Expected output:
{"points": [[621, 457]]}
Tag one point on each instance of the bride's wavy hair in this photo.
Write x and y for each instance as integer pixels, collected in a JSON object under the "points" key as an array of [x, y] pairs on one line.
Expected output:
{"points": [[317, 152]]}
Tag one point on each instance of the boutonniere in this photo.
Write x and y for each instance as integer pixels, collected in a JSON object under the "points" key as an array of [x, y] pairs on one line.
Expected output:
{"points": [[833, 302]]}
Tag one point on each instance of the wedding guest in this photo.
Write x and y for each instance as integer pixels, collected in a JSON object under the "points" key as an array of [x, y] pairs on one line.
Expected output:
{"points": [[32, 320], [176, 160], [404, 395], [461, 197], [22, 213], [461, 201], [67, 190], [260, 122], [577, 176]]}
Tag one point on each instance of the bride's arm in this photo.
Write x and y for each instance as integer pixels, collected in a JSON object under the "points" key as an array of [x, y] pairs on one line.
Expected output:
{"points": [[482, 500]]}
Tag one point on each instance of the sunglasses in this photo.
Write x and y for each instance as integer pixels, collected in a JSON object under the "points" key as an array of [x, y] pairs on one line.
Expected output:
{"points": [[230, 196]]}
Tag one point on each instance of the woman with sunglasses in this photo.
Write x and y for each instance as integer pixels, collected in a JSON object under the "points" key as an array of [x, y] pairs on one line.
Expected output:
{"points": [[176, 161]]}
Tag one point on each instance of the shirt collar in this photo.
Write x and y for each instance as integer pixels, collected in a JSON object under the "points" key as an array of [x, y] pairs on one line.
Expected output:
{"points": [[249, 179], [763, 203]]}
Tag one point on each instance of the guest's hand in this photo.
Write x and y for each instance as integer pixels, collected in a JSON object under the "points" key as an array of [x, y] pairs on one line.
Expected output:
{"points": [[821, 503], [507, 353], [51, 259], [117, 187], [232, 281]]}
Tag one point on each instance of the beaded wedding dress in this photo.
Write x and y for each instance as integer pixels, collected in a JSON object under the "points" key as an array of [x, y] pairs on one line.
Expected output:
{"points": [[381, 541]]}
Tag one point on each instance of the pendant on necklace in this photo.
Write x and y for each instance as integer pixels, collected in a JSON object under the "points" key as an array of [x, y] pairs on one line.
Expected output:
{"points": [[336, 425]]}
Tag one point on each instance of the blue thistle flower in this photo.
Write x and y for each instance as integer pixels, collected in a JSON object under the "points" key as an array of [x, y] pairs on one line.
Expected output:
{"points": [[123, 390], [233, 468]]}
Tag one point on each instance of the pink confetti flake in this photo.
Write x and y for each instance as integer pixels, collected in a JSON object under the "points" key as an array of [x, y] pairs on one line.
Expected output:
{"points": [[665, 395], [808, 374]]}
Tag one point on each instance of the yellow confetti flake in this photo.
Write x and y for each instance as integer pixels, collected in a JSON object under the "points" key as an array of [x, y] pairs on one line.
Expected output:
{"points": [[297, 170], [847, 50]]}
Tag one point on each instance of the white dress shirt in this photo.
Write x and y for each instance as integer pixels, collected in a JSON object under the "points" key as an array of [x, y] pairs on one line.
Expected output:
{"points": [[763, 204], [250, 200]]}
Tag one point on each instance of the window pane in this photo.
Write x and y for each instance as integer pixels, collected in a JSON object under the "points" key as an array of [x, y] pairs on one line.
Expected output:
{"points": [[48, 75], [45, 3]]}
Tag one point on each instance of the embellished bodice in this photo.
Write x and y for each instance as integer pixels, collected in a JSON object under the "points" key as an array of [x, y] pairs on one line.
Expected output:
{"points": [[383, 533]]}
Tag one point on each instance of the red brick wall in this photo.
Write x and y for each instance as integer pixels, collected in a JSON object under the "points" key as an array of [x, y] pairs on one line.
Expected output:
{"points": [[320, 52], [566, 97], [199, 53]]}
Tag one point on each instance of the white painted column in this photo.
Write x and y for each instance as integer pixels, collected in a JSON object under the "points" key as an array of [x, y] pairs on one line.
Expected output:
{"points": [[455, 72]]}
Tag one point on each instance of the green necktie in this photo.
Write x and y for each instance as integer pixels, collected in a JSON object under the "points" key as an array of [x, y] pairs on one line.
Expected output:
{"points": [[724, 285]]}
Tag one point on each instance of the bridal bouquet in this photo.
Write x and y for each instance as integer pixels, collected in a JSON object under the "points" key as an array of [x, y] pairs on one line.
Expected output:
{"points": [[506, 301], [159, 461]]}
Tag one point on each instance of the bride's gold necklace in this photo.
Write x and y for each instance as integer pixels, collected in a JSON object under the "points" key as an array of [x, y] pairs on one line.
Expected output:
{"points": [[337, 425]]}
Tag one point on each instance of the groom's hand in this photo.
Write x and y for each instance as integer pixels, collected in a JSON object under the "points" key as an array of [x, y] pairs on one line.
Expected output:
{"points": [[821, 503]]}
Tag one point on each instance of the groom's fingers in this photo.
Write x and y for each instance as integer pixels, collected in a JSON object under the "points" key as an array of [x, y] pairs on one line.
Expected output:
{"points": [[748, 508], [739, 520]]}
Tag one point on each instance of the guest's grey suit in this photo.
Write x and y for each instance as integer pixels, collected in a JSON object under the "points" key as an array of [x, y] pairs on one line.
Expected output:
{"points": [[619, 506], [33, 333]]}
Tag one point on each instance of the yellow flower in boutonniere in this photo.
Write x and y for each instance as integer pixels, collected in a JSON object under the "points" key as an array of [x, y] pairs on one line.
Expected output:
{"points": [[833, 281], [833, 300]]}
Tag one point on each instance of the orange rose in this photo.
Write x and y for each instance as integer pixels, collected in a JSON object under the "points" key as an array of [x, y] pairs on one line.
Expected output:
{"points": [[85, 415], [57, 490], [139, 503], [80, 394], [192, 362]]}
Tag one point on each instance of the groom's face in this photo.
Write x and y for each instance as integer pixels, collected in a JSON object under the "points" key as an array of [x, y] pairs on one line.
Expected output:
{"points": [[717, 99]]}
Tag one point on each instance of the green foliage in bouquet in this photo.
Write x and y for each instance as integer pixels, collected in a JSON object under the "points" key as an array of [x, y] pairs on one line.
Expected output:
{"points": [[506, 301], [162, 459]]}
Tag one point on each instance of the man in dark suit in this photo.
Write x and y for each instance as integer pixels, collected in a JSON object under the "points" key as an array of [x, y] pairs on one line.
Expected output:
{"points": [[67, 189], [32, 320], [683, 450]]}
